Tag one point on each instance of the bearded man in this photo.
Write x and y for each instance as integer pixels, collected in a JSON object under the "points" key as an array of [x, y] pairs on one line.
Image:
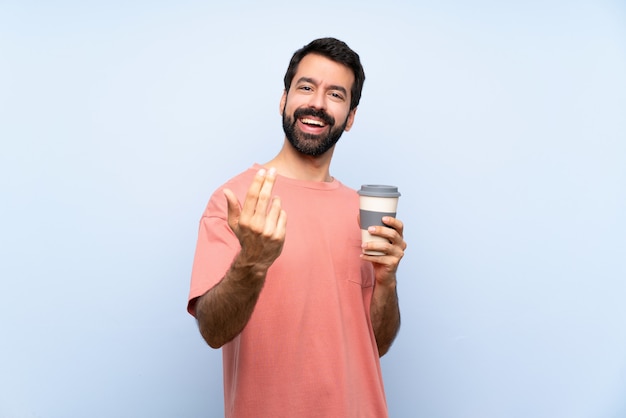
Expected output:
{"points": [[280, 280]]}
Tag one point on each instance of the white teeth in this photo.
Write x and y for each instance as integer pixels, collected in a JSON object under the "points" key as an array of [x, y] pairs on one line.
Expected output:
{"points": [[313, 122]]}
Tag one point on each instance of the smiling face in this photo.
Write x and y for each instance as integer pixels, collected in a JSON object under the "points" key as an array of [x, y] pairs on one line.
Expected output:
{"points": [[318, 99]]}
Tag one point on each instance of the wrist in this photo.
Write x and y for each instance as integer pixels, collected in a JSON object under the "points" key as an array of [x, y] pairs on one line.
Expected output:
{"points": [[388, 282], [245, 269]]}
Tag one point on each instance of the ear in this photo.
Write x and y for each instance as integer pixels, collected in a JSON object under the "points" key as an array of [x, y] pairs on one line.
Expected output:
{"points": [[350, 120], [283, 103]]}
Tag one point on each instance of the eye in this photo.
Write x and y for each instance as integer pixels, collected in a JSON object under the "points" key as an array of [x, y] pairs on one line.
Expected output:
{"points": [[305, 88], [336, 95]]}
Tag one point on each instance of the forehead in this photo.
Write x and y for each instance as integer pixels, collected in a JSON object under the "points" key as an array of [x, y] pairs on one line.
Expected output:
{"points": [[324, 71]]}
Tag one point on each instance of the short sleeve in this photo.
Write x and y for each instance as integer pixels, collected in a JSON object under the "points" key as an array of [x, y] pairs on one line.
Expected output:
{"points": [[216, 247]]}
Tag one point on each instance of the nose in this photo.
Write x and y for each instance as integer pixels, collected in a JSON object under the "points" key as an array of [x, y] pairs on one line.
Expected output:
{"points": [[318, 100]]}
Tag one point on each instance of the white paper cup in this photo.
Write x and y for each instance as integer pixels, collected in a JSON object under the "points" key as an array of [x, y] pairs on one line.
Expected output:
{"points": [[375, 202]]}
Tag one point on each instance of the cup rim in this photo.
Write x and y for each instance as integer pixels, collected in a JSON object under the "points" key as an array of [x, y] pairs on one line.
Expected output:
{"points": [[378, 190]]}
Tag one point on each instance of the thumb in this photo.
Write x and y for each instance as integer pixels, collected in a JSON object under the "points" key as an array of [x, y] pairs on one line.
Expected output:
{"points": [[234, 210]]}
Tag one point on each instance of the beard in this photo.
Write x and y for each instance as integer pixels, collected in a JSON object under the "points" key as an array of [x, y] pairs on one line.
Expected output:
{"points": [[310, 144]]}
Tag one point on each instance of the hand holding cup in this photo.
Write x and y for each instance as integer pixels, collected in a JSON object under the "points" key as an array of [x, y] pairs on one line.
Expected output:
{"points": [[375, 202]]}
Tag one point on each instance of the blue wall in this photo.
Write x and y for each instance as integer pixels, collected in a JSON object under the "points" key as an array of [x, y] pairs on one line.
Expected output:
{"points": [[503, 124]]}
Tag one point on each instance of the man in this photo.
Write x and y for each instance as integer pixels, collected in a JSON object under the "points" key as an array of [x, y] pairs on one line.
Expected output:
{"points": [[280, 280]]}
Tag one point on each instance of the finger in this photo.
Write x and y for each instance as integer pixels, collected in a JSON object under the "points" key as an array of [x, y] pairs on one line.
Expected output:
{"points": [[252, 195], [272, 217], [276, 223], [234, 209], [281, 225], [394, 223], [383, 231], [390, 257], [265, 194], [391, 235]]}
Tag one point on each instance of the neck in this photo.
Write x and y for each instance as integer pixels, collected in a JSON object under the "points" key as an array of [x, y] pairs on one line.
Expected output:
{"points": [[291, 163]]}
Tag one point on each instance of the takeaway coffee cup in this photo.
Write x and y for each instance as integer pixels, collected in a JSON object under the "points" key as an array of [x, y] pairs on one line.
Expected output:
{"points": [[376, 201]]}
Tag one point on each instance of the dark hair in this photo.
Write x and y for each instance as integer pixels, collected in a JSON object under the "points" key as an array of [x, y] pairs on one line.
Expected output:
{"points": [[334, 50]]}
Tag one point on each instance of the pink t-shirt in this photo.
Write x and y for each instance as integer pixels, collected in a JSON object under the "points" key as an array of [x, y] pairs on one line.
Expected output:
{"points": [[309, 348]]}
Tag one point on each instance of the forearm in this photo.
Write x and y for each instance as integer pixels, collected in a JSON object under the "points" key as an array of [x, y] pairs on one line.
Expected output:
{"points": [[225, 309], [385, 315]]}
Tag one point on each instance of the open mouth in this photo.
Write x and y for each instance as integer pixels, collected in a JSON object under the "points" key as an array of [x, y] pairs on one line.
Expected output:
{"points": [[313, 122], [314, 119]]}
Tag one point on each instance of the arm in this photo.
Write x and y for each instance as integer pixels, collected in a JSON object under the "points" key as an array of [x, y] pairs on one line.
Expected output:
{"points": [[385, 315], [225, 309], [384, 308]]}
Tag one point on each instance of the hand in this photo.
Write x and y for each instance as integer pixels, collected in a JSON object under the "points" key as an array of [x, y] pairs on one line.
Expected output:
{"points": [[385, 266], [260, 225]]}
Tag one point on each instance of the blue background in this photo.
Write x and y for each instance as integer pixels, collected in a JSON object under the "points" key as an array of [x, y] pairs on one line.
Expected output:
{"points": [[503, 124]]}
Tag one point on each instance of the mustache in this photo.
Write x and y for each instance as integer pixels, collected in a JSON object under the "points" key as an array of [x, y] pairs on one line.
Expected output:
{"points": [[317, 113]]}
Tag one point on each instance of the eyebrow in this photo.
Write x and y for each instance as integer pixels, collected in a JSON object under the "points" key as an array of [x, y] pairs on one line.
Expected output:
{"points": [[331, 87]]}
